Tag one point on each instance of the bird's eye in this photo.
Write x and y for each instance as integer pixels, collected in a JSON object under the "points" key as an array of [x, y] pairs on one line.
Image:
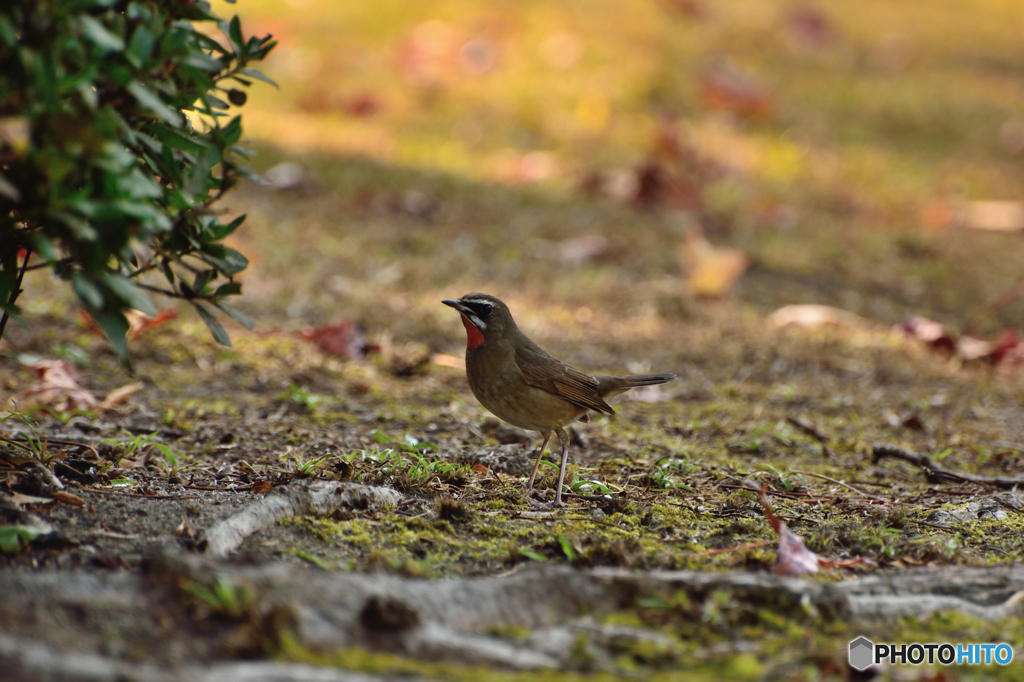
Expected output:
{"points": [[482, 310]]}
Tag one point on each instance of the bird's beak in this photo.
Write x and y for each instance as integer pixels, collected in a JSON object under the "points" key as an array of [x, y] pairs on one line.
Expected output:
{"points": [[455, 304]]}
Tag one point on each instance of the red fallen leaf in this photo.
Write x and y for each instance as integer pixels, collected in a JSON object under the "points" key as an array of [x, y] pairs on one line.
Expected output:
{"points": [[724, 86], [260, 487], [810, 27], [361, 105], [794, 559], [138, 323], [929, 332], [1007, 347], [341, 338]]}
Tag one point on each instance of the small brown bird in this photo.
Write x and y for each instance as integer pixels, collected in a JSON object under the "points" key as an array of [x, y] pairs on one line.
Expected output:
{"points": [[517, 381]]}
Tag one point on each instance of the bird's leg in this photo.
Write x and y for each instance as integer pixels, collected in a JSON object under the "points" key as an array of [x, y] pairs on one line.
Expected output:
{"points": [[563, 440], [529, 484]]}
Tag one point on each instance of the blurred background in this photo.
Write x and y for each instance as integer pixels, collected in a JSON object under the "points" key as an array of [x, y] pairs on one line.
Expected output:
{"points": [[630, 171], [636, 157]]}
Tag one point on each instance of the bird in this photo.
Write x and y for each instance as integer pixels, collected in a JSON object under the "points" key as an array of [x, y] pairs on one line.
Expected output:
{"points": [[520, 383]]}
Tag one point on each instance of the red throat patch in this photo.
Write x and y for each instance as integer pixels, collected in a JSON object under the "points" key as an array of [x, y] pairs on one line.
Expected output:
{"points": [[474, 339]]}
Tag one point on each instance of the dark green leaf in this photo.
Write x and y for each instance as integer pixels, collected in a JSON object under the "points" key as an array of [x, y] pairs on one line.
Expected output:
{"points": [[235, 32], [88, 292], [165, 267], [202, 279], [258, 75], [99, 35], [8, 35], [232, 131], [151, 101], [216, 102], [237, 315], [133, 296], [141, 45], [229, 289], [218, 232], [44, 247], [115, 328], [230, 263], [219, 335], [179, 140], [203, 62], [8, 189]]}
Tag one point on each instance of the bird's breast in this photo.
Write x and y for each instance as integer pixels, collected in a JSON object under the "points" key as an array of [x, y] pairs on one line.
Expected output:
{"points": [[507, 396]]}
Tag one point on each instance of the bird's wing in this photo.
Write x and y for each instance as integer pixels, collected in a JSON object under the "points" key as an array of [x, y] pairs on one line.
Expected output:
{"points": [[542, 371]]}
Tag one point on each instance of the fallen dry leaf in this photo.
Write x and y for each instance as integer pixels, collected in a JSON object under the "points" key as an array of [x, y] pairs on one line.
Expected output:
{"points": [[138, 322], [261, 487], [119, 395], [448, 361], [725, 86], [341, 338], [710, 270], [794, 559], [57, 388], [67, 498], [20, 499], [813, 316], [996, 216]]}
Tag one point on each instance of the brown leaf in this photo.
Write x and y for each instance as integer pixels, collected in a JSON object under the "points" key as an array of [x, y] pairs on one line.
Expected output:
{"points": [[119, 395], [67, 498], [813, 316], [448, 361], [341, 338], [21, 498], [794, 558], [480, 468], [710, 270], [725, 86], [58, 388], [996, 216], [261, 487]]}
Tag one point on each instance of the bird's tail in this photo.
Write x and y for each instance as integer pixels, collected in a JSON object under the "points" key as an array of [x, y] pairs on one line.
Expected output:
{"points": [[611, 386], [634, 380]]}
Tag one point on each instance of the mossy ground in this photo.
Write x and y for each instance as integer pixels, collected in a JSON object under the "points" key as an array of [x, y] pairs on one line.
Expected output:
{"points": [[868, 131]]}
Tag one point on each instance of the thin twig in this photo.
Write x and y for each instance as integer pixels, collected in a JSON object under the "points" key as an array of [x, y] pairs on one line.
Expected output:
{"points": [[832, 480], [49, 475], [13, 296], [47, 264], [158, 290], [937, 474]]}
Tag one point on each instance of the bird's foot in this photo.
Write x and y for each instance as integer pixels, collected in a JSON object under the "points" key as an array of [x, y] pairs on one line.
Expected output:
{"points": [[546, 506]]}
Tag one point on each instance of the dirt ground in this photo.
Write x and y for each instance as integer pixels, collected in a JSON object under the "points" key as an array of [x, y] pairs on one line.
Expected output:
{"points": [[651, 207], [800, 410]]}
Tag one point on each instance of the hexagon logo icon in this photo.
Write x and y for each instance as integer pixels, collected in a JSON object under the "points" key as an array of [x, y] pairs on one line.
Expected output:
{"points": [[862, 653]]}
